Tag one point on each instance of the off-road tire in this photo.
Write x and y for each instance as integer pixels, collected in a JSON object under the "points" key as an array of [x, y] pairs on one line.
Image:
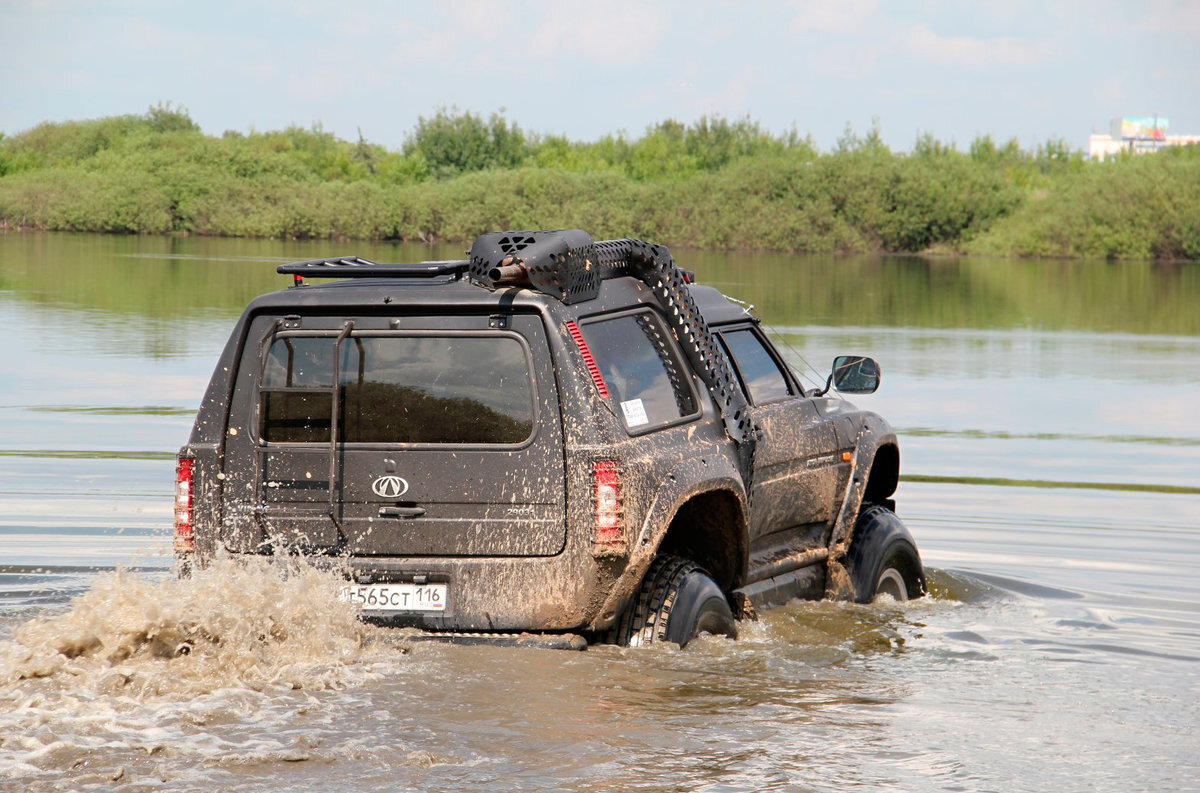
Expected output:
{"points": [[883, 558], [677, 601]]}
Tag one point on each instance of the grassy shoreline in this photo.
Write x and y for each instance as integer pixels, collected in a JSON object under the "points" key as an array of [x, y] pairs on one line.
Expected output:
{"points": [[713, 184]]}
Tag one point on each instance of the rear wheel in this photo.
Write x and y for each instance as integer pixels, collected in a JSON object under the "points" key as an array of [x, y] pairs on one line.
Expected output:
{"points": [[883, 558], [677, 601]]}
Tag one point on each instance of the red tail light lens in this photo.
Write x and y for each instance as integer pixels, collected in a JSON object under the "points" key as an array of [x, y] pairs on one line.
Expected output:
{"points": [[183, 504], [606, 479]]}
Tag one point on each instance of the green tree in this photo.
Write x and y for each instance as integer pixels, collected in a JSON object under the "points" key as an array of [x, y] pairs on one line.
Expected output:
{"points": [[453, 143]]}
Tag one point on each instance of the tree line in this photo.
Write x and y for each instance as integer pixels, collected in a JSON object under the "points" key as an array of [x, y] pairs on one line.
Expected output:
{"points": [[714, 183]]}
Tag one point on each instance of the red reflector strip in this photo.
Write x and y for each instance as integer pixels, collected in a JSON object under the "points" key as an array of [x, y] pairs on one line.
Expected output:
{"points": [[183, 504], [588, 360]]}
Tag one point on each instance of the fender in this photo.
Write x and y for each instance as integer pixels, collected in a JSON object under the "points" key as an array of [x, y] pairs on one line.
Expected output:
{"points": [[679, 487], [872, 432]]}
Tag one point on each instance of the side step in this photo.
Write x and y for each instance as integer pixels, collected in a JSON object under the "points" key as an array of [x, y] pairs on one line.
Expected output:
{"points": [[549, 641]]}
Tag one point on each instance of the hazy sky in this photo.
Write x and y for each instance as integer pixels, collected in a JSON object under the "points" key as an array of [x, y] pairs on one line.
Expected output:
{"points": [[1031, 69]]}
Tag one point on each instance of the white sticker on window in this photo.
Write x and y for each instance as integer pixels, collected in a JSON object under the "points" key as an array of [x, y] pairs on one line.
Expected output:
{"points": [[635, 413]]}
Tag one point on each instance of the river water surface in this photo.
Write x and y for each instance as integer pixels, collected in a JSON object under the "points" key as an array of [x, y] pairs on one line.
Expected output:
{"points": [[1049, 418]]}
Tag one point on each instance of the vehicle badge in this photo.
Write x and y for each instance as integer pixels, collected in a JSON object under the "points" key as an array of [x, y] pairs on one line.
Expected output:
{"points": [[390, 486]]}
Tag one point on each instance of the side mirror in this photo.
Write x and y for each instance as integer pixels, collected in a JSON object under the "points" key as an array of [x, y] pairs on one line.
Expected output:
{"points": [[855, 374]]}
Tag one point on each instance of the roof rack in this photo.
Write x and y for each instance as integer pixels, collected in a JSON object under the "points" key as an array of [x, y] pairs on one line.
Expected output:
{"points": [[357, 267]]}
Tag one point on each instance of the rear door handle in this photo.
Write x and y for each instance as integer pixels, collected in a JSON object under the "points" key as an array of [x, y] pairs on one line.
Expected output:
{"points": [[401, 512]]}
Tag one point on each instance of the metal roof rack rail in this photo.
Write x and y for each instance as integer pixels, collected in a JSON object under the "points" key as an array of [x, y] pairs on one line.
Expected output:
{"points": [[357, 267]]}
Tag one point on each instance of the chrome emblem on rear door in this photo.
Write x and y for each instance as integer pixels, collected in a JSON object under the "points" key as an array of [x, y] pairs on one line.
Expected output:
{"points": [[390, 486]]}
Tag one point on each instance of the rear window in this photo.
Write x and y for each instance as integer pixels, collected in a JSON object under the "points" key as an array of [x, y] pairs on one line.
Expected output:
{"points": [[398, 389], [641, 370]]}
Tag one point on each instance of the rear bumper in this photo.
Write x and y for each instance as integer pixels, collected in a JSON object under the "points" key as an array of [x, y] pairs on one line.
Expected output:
{"points": [[490, 594]]}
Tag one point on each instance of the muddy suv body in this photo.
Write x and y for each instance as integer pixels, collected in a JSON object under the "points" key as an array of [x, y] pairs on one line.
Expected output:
{"points": [[541, 438]]}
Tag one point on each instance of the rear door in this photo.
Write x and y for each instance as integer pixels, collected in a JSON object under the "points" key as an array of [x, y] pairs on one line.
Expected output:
{"points": [[423, 436]]}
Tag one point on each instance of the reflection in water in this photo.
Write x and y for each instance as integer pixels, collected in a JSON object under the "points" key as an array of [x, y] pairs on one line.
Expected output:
{"points": [[958, 293], [1059, 650], [156, 277]]}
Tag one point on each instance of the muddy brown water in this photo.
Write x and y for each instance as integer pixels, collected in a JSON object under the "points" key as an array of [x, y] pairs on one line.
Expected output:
{"points": [[1049, 416]]}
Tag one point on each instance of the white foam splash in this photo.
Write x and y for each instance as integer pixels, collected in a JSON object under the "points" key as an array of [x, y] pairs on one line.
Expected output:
{"points": [[144, 663]]}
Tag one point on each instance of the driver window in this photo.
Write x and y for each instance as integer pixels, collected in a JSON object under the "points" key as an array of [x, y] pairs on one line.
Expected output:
{"points": [[761, 377]]}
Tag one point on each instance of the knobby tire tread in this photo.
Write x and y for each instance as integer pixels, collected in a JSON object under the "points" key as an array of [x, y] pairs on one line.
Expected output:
{"points": [[650, 612], [913, 572]]}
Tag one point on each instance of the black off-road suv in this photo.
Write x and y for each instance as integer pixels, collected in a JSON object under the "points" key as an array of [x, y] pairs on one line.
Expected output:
{"points": [[555, 435]]}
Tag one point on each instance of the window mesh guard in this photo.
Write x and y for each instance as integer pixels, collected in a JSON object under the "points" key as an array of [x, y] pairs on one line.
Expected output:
{"points": [[569, 266]]}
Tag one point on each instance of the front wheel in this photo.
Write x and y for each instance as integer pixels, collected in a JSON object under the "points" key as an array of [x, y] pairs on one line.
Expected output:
{"points": [[883, 558], [677, 601]]}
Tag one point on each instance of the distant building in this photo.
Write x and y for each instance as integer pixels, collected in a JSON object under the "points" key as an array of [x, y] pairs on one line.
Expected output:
{"points": [[1136, 135]]}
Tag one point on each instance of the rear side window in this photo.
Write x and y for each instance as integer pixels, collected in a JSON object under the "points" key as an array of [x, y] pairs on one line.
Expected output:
{"points": [[760, 373], [648, 385], [398, 389]]}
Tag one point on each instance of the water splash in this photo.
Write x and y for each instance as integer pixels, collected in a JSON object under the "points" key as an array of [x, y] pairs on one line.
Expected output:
{"points": [[251, 622], [144, 664]]}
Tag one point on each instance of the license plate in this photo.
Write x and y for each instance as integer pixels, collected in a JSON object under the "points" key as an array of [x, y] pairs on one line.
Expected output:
{"points": [[397, 597]]}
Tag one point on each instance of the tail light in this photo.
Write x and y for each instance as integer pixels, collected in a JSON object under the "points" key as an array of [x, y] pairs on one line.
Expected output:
{"points": [[606, 479], [183, 504]]}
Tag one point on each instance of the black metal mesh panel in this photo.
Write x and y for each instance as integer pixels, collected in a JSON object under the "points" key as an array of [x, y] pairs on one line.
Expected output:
{"points": [[654, 266], [683, 394], [568, 265], [559, 263]]}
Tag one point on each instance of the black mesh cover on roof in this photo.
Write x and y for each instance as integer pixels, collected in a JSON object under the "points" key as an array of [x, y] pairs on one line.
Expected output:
{"points": [[559, 263]]}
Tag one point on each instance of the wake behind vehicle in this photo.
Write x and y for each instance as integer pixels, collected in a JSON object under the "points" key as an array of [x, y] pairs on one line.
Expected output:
{"points": [[555, 435]]}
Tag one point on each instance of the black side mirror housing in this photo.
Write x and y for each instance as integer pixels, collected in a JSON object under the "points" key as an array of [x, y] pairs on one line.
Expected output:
{"points": [[855, 374]]}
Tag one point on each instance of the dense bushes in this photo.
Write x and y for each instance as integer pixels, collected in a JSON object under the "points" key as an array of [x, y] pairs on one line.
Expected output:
{"points": [[715, 183], [1137, 208]]}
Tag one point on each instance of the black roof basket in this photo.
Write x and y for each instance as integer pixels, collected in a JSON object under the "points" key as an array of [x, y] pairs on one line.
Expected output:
{"points": [[357, 267]]}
